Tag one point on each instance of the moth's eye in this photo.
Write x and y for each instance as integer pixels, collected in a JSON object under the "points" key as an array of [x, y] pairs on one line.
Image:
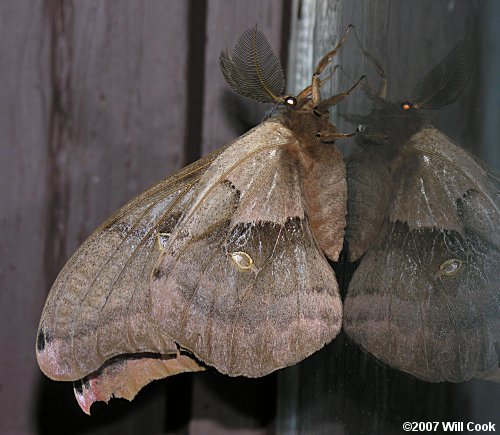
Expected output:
{"points": [[242, 260], [163, 240], [406, 105], [451, 266], [290, 100]]}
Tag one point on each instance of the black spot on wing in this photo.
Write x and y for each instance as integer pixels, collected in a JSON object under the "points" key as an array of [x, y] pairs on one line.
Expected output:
{"points": [[236, 191], [158, 273], [42, 339], [167, 225]]}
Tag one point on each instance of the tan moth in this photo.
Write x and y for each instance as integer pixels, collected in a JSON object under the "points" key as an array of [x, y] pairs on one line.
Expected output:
{"points": [[223, 264], [423, 217]]}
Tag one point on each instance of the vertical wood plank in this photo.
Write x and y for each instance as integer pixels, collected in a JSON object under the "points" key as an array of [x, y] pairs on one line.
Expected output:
{"points": [[227, 115], [222, 404], [489, 89], [119, 106], [24, 107], [93, 112], [341, 389]]}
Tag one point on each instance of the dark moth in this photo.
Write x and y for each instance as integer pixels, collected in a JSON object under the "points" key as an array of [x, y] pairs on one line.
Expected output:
{"points": [[423, 217], [223, 264]]}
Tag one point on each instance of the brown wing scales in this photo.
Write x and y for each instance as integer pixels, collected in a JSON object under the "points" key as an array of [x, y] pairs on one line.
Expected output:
{"points": [[99, 305], [402, 307], [283, 304], [249, 322], [424, 298]]}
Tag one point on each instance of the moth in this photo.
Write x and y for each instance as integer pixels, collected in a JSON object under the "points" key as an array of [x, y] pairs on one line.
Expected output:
{"points": [[423, 217], [223, 264]]}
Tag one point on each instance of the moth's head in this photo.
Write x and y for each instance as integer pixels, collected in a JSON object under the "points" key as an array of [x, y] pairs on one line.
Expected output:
{"points": [[254, 71], [308, 124], [282, 108], [388, 123], [394, 122]]}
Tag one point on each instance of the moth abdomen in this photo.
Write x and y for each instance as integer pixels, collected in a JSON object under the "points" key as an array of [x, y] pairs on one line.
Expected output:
{"points": [[324, 194]]}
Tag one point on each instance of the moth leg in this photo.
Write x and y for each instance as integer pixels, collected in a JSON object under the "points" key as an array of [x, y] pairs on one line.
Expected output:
{"points": [[322, 107], [307, 91], [327, 137], [324, 61]]}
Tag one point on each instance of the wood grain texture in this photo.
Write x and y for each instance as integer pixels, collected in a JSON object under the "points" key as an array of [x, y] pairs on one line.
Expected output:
{"points": [[341, 389], [215, 406], [92, 114], [238, 113], [96, 107], [25, 75]]}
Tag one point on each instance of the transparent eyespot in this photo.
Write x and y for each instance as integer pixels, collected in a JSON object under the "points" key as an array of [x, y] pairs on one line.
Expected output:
{"points": [[162, 239], [291, 100], [451, 266], [242, 260]]}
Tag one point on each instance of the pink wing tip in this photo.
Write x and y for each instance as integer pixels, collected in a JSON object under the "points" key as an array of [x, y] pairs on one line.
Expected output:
{"points": [[88, 393]]}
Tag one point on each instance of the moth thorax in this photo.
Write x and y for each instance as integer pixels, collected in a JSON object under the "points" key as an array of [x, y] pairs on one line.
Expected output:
{"points": [[242, 260], [451, 266]]}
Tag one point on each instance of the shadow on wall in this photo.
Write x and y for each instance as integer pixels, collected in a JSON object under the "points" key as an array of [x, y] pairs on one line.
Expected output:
{"points": [[161, 407], [56, 410]]}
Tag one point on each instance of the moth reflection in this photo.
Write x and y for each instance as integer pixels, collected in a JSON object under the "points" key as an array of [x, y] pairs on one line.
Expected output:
{"points": [[419, 207], [451, 266]]}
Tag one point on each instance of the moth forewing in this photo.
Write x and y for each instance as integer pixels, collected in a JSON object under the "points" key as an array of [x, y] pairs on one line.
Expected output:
{"points": [[438, 175], [99, 305]]}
